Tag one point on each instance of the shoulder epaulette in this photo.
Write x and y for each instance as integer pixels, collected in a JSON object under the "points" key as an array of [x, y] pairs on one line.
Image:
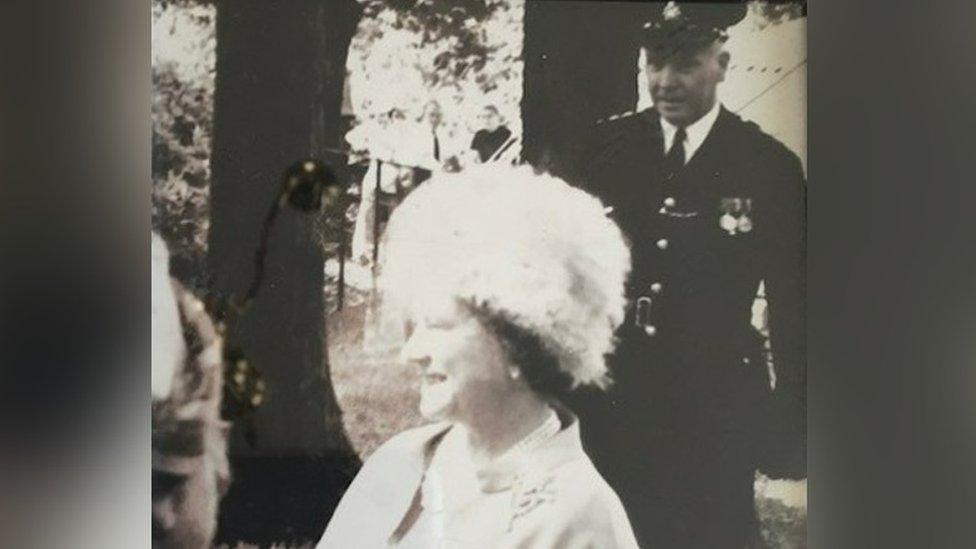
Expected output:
{"points": [[617, 116]]}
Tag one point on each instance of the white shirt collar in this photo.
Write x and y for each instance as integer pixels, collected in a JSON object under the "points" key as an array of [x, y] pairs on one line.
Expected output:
{"points": [[695, 133]]}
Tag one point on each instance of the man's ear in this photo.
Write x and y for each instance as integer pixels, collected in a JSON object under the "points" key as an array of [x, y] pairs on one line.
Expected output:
{"points": [[723, 62]]}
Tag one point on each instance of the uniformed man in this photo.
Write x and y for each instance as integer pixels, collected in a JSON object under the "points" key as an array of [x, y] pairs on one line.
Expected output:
{"points": [[712, 207]]}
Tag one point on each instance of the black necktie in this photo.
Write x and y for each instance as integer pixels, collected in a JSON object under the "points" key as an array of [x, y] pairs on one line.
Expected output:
{"points": [[437, 148], [675, 159]]}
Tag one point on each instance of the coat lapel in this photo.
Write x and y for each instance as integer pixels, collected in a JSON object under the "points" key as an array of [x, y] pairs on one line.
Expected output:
{"points": [[413, 468], [714, 144], [654, 142]]}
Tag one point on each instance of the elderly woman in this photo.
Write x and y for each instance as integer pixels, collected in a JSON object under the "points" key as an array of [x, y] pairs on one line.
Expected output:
{"points": [[511, 286]]}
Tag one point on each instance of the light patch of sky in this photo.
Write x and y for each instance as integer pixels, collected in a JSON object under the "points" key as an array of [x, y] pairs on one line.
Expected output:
{"points": [[181, 39], [792, 493], [389, 73]]}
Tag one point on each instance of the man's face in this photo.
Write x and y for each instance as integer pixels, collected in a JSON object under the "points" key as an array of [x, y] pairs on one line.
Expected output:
{"points": [[683, 85], [434, 115], [489, 119]]}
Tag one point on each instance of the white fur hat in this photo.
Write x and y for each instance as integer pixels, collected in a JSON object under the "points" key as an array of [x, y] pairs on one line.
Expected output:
{"points": [[524, 245]]}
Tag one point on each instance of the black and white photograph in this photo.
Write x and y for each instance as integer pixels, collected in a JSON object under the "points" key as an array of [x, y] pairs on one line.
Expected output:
{"points": [[451, 274]]}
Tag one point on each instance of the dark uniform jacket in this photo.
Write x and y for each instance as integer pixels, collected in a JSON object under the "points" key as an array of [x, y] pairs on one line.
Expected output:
{"points": [[691, 379], [488, 143]]}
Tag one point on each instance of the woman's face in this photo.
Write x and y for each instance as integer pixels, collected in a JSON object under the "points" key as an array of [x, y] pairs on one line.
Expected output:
{"points": [[464, 372]]}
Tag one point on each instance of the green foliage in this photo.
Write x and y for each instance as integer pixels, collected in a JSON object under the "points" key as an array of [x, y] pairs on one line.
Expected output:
{"points": [[780, 525], [454, 50], [462, 53], [774, 13], [167, 4], [451, 27], [182, 124]]}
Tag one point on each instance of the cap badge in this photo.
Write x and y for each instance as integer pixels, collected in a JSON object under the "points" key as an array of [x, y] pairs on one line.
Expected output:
{"points": [[672, 11]]}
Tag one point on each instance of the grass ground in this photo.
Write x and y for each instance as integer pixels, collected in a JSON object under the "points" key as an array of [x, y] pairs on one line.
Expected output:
{"points": [[379, 399]]}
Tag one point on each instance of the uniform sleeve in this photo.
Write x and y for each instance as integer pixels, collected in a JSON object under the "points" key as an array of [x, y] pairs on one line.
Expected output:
{"points": [[785, 281], [600, 153]]}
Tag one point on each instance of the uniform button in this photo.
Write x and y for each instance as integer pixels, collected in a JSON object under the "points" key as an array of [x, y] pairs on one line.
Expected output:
{"points": [[662, 244], [650, 330], [656, 287], [670, 202]]}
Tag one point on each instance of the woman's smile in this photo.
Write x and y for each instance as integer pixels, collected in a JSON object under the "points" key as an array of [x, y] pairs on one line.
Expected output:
{"points": [[433, 378]]}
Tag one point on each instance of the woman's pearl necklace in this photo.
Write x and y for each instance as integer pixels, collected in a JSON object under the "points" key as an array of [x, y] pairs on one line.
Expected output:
{"points": [[544, 432]]}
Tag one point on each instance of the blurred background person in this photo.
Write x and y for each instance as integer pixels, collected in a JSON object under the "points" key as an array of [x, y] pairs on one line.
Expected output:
{"points": [[428, 140], [510, 286], [403, 154], [189, 458], [494, 139], [386, 178]]}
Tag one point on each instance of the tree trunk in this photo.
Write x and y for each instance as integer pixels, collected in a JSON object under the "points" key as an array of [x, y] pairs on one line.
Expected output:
{"points": [[280, 73], [580, 66]]}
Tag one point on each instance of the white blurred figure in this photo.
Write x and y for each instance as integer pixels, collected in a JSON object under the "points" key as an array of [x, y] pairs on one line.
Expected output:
{"points": [[168, 347], [189, 459], [402, 154]]}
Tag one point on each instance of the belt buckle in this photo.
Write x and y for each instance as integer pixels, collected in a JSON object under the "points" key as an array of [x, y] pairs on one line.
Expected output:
{"points": [[642, 312], [642, 316]]}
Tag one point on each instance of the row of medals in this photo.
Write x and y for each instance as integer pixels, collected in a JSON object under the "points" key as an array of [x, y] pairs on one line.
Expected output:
{"points": [[734, 219]]}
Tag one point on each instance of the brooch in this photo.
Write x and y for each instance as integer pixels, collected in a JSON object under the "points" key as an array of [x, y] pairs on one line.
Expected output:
{"points": [[735, 216], [530, 498]]}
